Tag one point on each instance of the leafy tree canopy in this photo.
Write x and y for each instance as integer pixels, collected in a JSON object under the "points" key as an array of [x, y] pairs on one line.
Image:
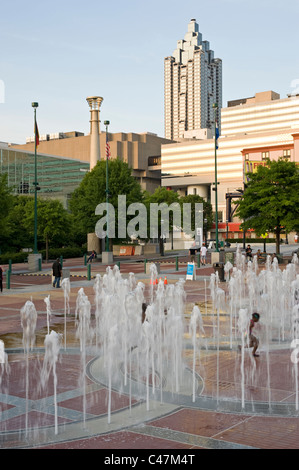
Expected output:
{"points": [[92, 192], [6, 199], [271, 200]]}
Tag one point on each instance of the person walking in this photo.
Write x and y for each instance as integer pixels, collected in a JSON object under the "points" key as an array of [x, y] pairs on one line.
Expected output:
{"points": [[1, 279], [92, 257], [203, 254], [57, 273]]}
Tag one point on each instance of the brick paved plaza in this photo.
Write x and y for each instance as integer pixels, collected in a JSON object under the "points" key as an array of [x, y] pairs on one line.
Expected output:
{"points": [[215, 420]]}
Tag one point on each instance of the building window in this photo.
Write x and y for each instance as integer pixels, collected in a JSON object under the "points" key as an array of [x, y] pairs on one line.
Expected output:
{"points": [[265, 155], [287, 153], [220, 216], [154, 161]]}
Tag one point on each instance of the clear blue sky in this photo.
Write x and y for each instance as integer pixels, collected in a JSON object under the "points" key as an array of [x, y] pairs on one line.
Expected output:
{"points": [[60, 52]]}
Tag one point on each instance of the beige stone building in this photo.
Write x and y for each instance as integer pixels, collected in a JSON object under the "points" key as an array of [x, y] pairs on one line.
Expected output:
{"points": [[253, 129], [142, 152]]}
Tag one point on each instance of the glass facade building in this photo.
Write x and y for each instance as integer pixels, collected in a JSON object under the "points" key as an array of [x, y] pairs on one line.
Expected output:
{"points": [[57, 177]]}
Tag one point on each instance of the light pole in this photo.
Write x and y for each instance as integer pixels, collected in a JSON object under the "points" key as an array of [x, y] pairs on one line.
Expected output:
{"points": [[215, 107], [227, 233], [106, 123], [35, 105]]}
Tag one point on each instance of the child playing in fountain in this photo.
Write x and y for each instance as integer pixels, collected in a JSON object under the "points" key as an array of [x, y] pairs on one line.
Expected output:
{"points": [[253, 340]]}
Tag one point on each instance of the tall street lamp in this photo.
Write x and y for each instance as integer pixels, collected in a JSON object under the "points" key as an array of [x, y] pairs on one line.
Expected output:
{"points": [[227, 233], [215, 107], [35, 106], [106, 123]]}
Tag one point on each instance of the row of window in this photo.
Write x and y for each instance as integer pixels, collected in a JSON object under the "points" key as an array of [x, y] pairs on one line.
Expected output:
{"points": [[266, 155]]}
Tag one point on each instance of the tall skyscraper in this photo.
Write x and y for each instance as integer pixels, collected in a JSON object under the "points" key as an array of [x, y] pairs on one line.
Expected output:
{"points": [[192, 84]]}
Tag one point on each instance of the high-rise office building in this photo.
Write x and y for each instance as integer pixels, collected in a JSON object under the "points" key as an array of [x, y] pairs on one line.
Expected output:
{"points": [[192, 84]]}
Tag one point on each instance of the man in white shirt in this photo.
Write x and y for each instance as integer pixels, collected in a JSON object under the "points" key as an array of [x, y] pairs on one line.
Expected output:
{"points": [[203, 254]]}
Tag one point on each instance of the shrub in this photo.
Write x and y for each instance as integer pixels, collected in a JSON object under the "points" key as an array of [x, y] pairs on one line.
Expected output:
{"points": [[68, 252]]}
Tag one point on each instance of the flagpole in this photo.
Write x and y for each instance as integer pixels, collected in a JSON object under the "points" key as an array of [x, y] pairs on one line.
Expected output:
{"points": [[215, 106], [106, 123], [35, 251]]}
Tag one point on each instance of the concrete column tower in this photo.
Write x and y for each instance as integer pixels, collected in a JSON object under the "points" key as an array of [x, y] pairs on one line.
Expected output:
{"points": [[95, 152]]}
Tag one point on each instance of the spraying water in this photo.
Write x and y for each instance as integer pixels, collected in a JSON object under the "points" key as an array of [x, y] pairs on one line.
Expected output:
{"points": [[142, 340], [66, 286], [85, 334], [49, 312], [52, 348], [196, 322], [28, 322], [243, 327]]}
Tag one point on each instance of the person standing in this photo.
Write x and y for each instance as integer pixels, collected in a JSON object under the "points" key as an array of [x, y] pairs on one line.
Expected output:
{"points": [[1, 279], [192, 253], [57, 273], [203, 254], [253, 340]]}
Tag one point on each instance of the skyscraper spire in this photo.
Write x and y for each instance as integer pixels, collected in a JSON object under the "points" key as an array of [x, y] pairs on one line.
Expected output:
{"points": [[192, 83]]}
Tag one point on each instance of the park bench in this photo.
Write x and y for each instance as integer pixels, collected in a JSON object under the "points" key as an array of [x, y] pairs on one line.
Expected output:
{"points": [[263, 258]]}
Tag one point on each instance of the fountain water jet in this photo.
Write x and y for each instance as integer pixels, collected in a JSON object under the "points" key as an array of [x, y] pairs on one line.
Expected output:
{"points": [[28, 322], [49, 312], [85, 334], [52, 348], [196, 322], [66, 286]]}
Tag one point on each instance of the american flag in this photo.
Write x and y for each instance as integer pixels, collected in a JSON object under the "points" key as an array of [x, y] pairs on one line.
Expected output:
{"points": [[217, 135], [108, 152]]}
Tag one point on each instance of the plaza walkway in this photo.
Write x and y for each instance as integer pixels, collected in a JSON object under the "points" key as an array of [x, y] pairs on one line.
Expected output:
{"points": [[216, 419]]}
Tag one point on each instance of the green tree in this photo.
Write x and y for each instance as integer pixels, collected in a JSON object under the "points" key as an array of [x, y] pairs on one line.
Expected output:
{"points": [[207, 209], [53, 222], [19, 235], [6, 198], [92, 192], [161, 196], [271, 200]]}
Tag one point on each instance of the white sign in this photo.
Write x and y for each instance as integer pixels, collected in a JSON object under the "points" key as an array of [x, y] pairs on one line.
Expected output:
{"points": [[191, 272]]}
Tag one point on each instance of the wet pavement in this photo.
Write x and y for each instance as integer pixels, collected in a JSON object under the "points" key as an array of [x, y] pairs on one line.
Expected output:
{"points": [[216, 419]]}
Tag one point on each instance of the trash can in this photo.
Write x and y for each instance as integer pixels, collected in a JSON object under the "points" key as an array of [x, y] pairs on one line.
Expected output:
{"points": [[219, 268]]}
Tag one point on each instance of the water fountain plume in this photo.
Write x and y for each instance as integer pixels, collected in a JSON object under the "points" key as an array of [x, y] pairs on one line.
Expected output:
{"points": [[195, 325], [85, 334], [28, 323], [52, 348], [66, 287]]}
